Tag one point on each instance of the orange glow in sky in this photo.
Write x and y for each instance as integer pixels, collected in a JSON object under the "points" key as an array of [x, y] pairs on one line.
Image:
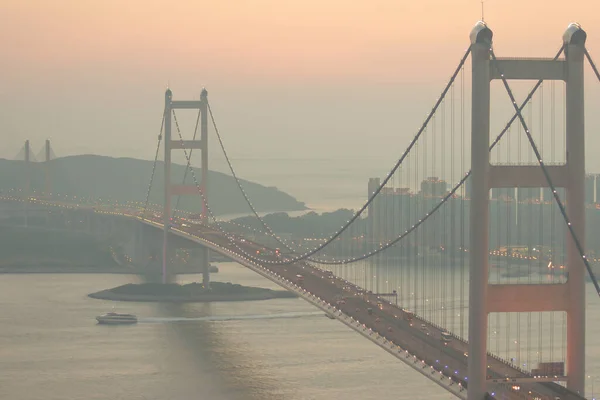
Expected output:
{"points": [[107, 63], [285, 39]]}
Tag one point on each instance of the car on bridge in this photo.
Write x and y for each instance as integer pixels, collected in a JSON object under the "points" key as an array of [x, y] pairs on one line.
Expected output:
{"points": [[446, 337]]}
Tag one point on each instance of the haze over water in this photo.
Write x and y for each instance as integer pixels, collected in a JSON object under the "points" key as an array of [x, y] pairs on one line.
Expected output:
{"points": [[51, 348]]}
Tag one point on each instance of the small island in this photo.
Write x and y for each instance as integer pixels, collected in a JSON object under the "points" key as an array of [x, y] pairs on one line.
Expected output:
{"points": [[189, 293]]}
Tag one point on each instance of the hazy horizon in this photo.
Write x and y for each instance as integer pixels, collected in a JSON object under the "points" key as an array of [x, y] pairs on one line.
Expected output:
{"points": [[285, 79]]}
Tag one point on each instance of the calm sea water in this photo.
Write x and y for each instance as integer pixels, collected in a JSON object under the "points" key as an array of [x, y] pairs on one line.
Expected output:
{"points": [[52, 348]]}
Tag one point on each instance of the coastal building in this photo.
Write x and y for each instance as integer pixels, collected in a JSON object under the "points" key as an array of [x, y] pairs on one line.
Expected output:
{"points": [[433, 187], [506, 194], [530, 219]]}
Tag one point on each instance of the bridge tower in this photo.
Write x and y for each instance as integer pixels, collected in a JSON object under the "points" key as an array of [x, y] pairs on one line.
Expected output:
{"points": [[485, 298], [174, 189]]}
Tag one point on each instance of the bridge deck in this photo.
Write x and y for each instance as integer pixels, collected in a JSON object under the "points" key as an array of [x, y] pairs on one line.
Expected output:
{"points": [[417, 342], [419, 337]]}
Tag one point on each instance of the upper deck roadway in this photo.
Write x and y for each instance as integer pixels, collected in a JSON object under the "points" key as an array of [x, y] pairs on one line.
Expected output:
{"points": [[379, 318]]}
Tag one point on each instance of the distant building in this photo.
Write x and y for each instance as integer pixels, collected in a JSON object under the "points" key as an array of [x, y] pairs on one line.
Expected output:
{"points": [[388, 211], [527, 223], [434, 187], [503, 193], [548, 196], [592, 190], [374, 184], [528, 194]]}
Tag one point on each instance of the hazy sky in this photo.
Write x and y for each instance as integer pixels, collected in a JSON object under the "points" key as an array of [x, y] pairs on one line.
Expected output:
{"points": [[286, 78]]}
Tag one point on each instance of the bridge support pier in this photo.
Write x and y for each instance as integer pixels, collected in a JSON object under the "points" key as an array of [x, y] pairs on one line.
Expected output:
{"points": [[200, 256], [574, 41], [180, 144], [481, 43], [147, 255], [102, 226]]}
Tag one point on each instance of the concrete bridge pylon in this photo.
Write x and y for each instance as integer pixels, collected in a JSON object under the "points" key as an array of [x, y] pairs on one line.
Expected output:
{"points": [[485, 298], [174, 189]]}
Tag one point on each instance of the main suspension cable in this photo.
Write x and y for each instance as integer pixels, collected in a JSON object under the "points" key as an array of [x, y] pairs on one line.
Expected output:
{"points": [[162, 124], [204, 197], [378, 190], [548, 179], [188, 160], [415, 226], [239, 185], [391, 243], [592, 64], [436, 207]]}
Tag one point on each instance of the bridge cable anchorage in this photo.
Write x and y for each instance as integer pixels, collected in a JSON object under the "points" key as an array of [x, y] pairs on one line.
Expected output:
{"points": [[318, 248], [188, 164], [372, 197], [548, 178], [162, 124]]}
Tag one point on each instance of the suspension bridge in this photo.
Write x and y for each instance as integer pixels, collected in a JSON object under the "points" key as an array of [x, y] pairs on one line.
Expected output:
{"points": [[472, 273]]}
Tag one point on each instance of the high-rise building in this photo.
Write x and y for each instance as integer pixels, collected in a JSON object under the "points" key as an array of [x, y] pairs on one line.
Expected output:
{"points": [[390, 212], [374, 184], [592, 190], [547, 193], [528, 194], [503, 193], [434, 187]]}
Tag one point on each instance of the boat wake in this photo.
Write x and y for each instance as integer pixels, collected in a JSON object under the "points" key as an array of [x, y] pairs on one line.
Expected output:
{"points": [[158, 320]]}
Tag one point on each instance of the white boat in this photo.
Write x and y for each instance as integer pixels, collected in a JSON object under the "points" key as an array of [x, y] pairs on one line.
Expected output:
{"points": [[114, 318]]}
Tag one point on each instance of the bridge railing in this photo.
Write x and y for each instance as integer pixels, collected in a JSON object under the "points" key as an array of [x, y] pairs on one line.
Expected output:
{"points": [[454, 336]]}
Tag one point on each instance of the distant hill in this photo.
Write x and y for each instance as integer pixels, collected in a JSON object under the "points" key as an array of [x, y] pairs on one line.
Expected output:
{"points": [[126, 179]]}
